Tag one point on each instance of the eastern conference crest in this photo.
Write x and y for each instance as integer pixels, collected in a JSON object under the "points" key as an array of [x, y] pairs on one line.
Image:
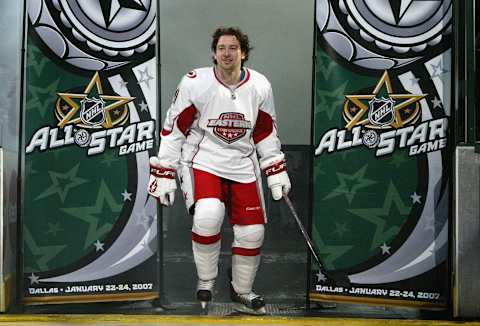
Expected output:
{"points": [[384, 120], [94, 120]]}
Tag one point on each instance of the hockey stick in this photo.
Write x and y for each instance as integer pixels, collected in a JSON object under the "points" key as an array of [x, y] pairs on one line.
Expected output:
{"points": [[338, 279]]}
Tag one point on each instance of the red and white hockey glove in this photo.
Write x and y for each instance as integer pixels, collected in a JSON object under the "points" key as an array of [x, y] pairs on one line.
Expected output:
{"points": [[162, 184], [277, 179]]}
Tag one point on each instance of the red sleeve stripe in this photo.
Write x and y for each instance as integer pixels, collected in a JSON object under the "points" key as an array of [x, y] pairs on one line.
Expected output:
{"points": [[205, 239], [245, 252], [166, 132], [185, 119], [263, 127]]}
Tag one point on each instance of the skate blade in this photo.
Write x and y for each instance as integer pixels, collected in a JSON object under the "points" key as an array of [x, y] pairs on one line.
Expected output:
{"points": [[204, 306], [244, 309]]}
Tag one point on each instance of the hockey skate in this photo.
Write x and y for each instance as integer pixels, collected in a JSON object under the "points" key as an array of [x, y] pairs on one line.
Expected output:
{"points": [[249, 303], [204, 292]]}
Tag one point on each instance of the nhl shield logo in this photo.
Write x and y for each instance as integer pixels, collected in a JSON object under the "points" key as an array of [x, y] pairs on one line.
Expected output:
{"points": [[381, 112], [92, 111], [230, 126]]}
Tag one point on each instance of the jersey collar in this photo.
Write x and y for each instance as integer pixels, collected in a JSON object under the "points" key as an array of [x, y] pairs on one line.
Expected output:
{"points": [[244, 77]]}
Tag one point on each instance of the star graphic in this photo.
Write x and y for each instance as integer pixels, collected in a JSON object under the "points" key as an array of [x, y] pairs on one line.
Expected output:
{"points": [[145, 77], [325, 65], [62, 183], [436, 103], [340, 229], [36, 59], [145, 219], [330, 100], [41, 255], [329, 253], [349, 184], [42, 99], [414, 81], [416, 198], [123, 84], [126, 195], [399, 7], [92, 90], [108, 158], [398, 159], [385, 249], [143, 106], [95, 216], [54, 228], [437, 70], [144, 243], [383, 89], [33, 279], [384, 219], [321, 277], [111, 8], [99, 246]]}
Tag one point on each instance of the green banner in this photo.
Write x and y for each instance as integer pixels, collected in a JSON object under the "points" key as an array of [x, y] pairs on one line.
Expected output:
{"points": [[89, 227], [382, 170]]}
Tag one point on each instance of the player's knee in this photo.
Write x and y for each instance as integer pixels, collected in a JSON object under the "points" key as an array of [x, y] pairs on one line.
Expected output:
{"points": [[248, 236], [208, 216]]}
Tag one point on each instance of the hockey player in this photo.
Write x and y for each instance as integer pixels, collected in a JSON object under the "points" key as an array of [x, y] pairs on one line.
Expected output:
{"points": [[218, 135]]}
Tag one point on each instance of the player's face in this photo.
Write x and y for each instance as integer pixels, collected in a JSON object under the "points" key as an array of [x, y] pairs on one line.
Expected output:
{"points": [[228, 53]]}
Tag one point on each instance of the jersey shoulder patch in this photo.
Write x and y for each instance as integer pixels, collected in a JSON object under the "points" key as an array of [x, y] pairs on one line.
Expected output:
{"points": [[191, 74]]}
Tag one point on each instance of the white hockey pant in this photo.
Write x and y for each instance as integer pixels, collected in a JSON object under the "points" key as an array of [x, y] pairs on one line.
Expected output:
{"points": [[207, 222], [248, 240]]}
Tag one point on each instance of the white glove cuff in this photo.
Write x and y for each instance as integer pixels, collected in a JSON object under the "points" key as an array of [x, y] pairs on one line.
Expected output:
{"points": [[155, 161]]}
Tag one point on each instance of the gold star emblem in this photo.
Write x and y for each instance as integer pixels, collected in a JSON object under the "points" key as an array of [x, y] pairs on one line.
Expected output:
{"points": [[404, 108], [104, 105]]}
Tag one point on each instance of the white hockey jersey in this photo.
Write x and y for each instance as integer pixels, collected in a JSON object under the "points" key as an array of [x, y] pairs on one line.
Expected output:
{"points": [[220, 129]]}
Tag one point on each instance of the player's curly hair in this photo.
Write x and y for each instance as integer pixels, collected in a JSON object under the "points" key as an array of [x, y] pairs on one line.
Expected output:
{"points": [[234, 31]]}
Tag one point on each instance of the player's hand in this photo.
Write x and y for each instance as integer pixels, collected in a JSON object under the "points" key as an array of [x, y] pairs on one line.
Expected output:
{"points": [[162, 184], [277, 179]]}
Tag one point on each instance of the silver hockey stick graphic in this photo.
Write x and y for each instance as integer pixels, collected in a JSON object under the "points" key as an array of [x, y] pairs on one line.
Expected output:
{"points": [[338, 279]]}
